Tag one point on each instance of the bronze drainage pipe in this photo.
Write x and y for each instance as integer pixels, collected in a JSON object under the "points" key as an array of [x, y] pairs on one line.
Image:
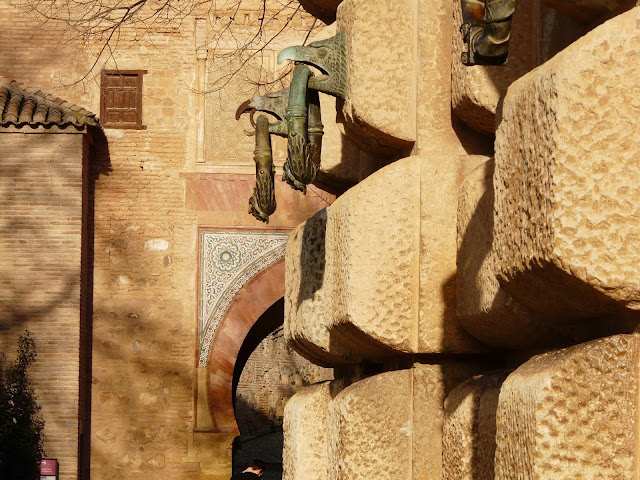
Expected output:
{"points": [[263, 201], [299, 169]]}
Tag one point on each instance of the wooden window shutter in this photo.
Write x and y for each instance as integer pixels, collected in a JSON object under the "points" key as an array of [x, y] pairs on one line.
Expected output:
{"points": [[121, 99]]}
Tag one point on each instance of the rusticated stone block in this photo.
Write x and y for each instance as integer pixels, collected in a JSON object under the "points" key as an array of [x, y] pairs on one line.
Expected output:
{"points": [[469, 435], [566, 181], [438, 329], [390, 425], [306, 433], [373, 256], [309, 287], [370, 429], [431, 385], [484, 309], [571, 413], [391, 250], [379, 278], [381, 59], [343, 163], [476, 90]]}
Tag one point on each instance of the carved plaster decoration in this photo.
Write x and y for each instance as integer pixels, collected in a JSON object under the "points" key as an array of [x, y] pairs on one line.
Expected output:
{"points": [[228, 261]]}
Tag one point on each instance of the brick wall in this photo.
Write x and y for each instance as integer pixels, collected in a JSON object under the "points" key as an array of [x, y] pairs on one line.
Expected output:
{"points": [[41, 200]]}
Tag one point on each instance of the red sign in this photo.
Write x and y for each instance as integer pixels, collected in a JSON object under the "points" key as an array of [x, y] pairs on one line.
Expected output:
{"points": [[48, 466]]}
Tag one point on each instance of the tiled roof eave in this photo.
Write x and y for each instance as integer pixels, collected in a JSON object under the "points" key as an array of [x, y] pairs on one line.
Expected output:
{"points": [[44, 126], [22, 106]]}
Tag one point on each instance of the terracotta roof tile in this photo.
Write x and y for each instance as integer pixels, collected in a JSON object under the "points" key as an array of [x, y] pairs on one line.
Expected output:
{"points": [[20, 105]]}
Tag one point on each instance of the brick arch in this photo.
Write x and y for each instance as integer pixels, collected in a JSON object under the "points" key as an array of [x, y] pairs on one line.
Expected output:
{"points": [[248, 305]]}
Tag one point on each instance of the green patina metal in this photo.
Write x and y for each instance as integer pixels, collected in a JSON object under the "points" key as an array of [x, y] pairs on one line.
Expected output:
{"points": [[298, 114], [330, 57], [305, 151], [299, 170], [315, 128], [486, 30], [275, 104], [263, 201]]}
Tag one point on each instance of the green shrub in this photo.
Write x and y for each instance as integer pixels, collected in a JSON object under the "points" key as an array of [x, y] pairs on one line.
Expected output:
{"points": [[21, 428]]}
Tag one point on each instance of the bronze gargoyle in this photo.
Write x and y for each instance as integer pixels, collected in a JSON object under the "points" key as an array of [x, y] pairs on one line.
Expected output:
{"points": [[302, 162], [263, 201], [330, 57], [486, 30], [303, 157], [274, 103]]}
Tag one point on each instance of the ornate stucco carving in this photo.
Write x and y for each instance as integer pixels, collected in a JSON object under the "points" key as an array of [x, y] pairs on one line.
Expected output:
{"points": [[228, 261]]}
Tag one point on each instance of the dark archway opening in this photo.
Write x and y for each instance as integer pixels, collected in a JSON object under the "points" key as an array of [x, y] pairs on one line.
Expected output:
{"points": [[267, 373]]}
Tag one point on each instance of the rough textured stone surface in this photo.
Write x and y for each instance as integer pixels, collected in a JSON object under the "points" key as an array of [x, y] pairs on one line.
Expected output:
{"points": [[390, 425], [435, 132], [309, 289], [370, 429], [380, 60], [439, 330], [343, 163], [469, 441], [571, 414], [431, 385], [476, 90], [390, 246], [306, 433], [566, 179], [373, 256], [380, 273], [484, 309]]}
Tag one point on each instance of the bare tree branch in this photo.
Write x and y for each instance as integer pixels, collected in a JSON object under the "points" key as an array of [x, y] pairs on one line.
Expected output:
{"points": [[233, 45]]}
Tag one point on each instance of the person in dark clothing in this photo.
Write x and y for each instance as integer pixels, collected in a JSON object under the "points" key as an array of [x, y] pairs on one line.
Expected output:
{"points": [[252, 472]]}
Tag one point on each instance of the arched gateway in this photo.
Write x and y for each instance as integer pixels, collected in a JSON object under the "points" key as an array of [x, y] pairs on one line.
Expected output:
{"points": [[241, 276], [248, 305], [241, 312]]}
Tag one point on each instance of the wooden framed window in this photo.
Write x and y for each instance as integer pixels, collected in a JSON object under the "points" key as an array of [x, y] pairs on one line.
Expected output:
{"points": [[121, 99]]}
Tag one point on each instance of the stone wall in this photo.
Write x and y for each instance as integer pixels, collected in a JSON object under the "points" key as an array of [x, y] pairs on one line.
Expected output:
{"points": [[511, 258], [415, 293]]}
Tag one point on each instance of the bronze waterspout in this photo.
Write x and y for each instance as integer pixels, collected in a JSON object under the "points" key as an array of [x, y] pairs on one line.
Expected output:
{"points": [[330, 57], [486, 30], [299, 168], [299, 118], [274, 103], [263, 201], [315, 128]]}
